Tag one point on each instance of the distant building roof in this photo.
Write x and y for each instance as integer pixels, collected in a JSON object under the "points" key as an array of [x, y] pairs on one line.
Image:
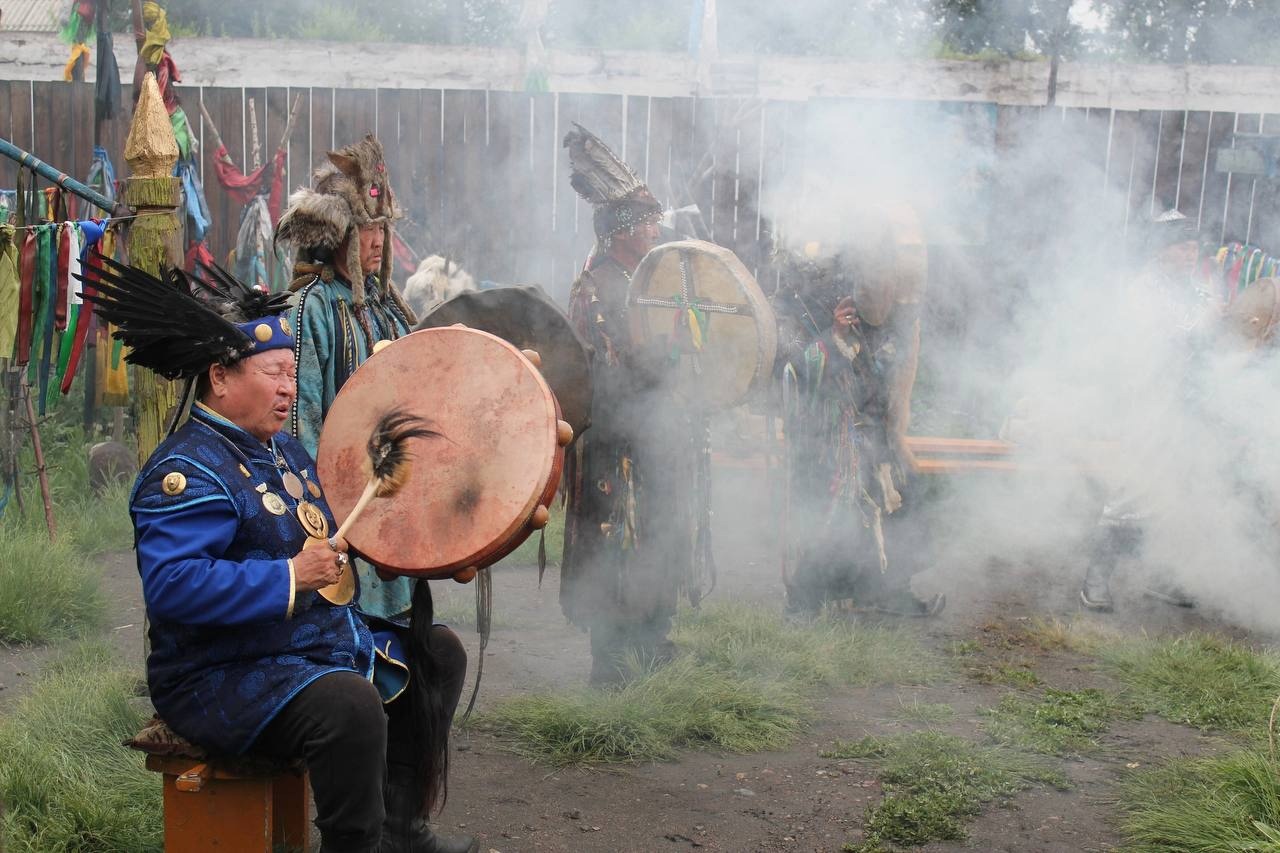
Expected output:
{"points": [[32, 16]]}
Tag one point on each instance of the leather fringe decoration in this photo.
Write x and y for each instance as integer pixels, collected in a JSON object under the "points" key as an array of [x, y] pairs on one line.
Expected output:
{"points": [[484, 626]]}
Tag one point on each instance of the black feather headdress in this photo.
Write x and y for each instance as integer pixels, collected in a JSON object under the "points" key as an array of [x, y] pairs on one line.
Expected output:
{"points": [[621, 200], [180, 324]]}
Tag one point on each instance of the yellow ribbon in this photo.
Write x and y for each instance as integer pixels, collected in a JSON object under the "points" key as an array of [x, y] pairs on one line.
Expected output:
{"points": [[695, 330], [78, 52], [157, 24]]}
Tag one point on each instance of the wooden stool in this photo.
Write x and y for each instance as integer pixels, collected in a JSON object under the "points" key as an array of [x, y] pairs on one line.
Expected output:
{"points": [[228, 804]]}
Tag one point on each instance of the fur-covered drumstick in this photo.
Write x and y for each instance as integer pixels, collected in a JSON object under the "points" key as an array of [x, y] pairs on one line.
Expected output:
{"points": [[390, 462]]}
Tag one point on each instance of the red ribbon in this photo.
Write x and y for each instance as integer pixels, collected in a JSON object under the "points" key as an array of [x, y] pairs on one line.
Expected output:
{"points": [[26, 293], [64, 276], [84, 320]]}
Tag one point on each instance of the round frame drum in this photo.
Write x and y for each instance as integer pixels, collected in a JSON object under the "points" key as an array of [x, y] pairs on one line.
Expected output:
{"points": [[476, 491], [1253, 313], [697, 300]]}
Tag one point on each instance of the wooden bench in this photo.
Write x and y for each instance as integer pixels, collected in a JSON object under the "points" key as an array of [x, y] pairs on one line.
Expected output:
{"points": [[228, 804]]}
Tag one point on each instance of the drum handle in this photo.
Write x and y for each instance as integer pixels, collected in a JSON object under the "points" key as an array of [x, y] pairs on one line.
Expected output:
{"points": [[369, 491]]}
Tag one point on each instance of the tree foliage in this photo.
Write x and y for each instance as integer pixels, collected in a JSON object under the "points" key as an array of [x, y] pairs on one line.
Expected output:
{"points": [[1176, 31]]}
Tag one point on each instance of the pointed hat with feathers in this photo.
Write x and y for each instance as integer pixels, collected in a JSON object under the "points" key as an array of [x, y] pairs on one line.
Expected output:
{"points": [[621, 200]]}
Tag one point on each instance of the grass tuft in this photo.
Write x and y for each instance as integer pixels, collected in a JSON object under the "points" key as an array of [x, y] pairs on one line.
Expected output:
{"points": [[743, 682], [47, 590], [1059, 722], [1198, 679], [66, 782], [741, 638], [683, 704], [934, 784], [928, 713], [1225, 803]]}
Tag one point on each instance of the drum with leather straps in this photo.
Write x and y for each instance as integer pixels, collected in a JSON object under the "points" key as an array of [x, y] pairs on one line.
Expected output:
{"points": [[477, 487], [1253, 313], [693, 306], [527, 318]]}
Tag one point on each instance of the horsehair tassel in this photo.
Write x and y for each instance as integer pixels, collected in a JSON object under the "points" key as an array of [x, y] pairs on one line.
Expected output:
{"points": [[389, 460], [388, 448]]}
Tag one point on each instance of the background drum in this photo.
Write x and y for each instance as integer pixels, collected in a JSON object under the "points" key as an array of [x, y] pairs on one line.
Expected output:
{"points": [[694, 303]]}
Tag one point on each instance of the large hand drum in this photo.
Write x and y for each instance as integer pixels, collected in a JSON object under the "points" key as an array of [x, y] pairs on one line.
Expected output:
{"points": [[527, 318], [1253, 313], [476, 491], [694, 303]]}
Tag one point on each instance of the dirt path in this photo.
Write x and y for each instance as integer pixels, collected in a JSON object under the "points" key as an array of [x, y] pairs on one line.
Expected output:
{"points": [[791, 800]]}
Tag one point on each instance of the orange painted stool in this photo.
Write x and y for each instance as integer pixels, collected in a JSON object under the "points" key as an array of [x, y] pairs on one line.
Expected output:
{"points": [[228, 804]]}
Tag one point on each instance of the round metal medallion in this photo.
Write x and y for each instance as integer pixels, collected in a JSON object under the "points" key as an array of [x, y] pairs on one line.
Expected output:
{"points": [[273, 503], [313, 520]]}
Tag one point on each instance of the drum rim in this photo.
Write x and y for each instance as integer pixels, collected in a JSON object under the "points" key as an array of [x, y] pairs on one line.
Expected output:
{"points": [[475, 558]]}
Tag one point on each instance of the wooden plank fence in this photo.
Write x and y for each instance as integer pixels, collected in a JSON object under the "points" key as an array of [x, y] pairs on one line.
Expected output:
{"points": [[483, 178]]}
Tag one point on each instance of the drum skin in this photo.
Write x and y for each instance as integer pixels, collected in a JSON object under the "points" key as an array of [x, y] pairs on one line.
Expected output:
{"points": [[527, 318], [739, 334], [1253, 313], [472, 491]]}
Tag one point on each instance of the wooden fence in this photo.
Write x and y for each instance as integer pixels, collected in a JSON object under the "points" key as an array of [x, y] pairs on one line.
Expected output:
{"points": [[483, 177]]}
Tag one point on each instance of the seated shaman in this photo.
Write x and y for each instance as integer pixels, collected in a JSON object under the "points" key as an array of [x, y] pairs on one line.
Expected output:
{"points": [[231, 525]]}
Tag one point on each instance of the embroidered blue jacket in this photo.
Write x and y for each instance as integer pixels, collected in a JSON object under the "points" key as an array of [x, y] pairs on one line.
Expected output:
{"points": [[232, 640]]}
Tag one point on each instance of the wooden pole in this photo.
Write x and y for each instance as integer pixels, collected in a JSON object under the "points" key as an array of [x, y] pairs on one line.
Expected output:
{"points": [[41, 471], [154, 240], [253, 135]]}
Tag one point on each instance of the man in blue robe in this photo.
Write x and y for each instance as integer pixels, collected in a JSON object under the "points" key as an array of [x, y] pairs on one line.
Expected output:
{"points": [[230, 525]]}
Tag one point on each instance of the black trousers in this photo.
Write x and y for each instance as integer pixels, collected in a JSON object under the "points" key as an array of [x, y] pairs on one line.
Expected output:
{"points": [[338, 726]]}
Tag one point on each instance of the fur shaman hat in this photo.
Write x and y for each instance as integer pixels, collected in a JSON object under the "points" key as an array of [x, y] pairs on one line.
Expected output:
{"points": [[620, 198], [350, 191]]}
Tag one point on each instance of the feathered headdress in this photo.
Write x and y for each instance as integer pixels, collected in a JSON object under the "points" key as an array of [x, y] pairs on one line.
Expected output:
{"points": [[179, 325], [620, 198], [353, 189]]}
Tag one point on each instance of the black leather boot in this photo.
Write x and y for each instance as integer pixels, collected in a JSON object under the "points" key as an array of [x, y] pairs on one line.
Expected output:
{"points": [[406, 830]]}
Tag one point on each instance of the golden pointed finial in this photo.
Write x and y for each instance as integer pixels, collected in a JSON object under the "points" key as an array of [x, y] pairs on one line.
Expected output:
{"points": [[151, 149]]}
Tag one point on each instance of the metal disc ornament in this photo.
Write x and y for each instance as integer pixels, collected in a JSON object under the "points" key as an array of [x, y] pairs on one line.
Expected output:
{"points": [[273, 503], [313, 520], [292, 485]]}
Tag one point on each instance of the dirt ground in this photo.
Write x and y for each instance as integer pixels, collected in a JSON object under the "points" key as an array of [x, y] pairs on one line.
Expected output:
{"points": [[791, 799]]}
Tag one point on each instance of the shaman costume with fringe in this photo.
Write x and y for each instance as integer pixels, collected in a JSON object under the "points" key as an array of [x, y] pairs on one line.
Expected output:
{"points": [[420, 666], [844, 401], [629, 531]]}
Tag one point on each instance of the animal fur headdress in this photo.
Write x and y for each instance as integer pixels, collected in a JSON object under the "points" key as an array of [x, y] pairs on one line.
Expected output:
{"points": [[353, 189], [620, 198]]}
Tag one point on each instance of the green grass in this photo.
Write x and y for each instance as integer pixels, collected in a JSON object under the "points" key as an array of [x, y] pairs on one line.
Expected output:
{"points": [[66, 782], [683, 704], [928, 713], [1059, 722], [742, 638], [934, 784], [98, 525], [47, 590], [744, 681], [1009, 674], [1198, 680], [1225, 803], [50, 591]]}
